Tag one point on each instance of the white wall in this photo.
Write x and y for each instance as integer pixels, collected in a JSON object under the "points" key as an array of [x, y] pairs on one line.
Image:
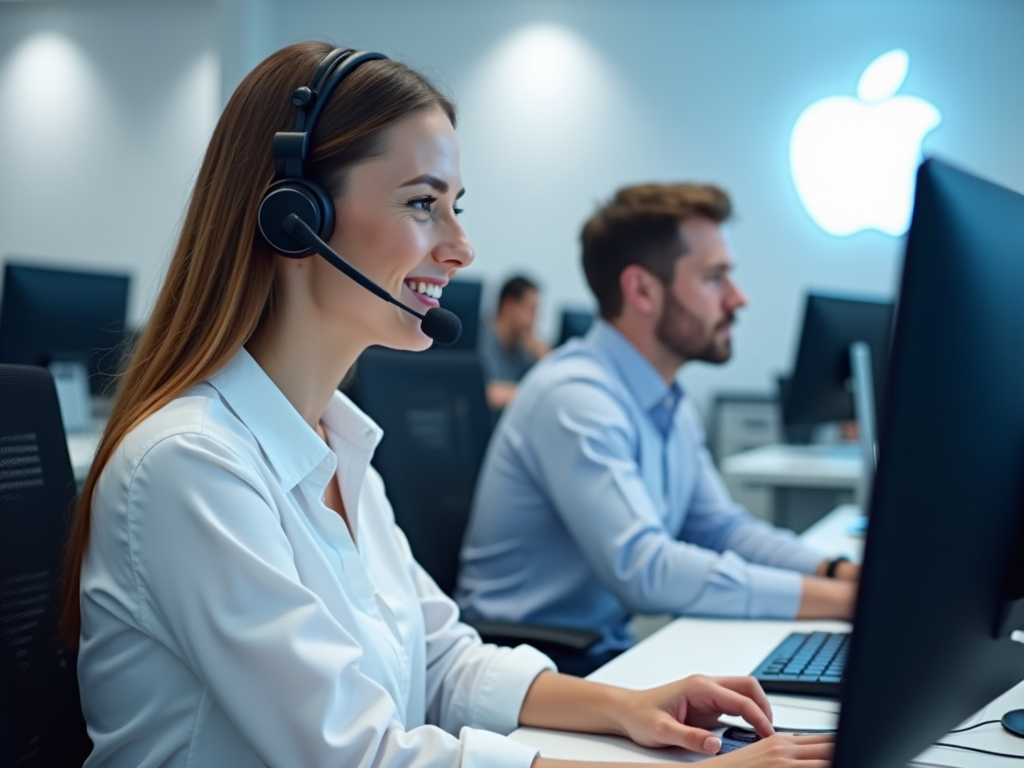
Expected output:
{"points": [[624, 92], [105, 111], [562, 101]]}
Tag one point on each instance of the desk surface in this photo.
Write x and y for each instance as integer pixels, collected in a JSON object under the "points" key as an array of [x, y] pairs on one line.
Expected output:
{"points": [[797, 466], [735, 647]]}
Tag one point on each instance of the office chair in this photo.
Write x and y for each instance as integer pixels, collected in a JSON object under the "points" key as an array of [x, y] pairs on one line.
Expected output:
{"points": [[575, 322], [41, 721], [436, 425]]}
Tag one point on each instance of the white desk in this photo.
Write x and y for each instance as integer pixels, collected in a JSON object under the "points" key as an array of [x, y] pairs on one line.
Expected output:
{"points": [[724, 647], [805, 480], [798, 466]]}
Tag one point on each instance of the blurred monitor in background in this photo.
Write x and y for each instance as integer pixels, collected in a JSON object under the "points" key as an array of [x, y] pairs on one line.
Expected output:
{"points": [[56, 316], [840, 368], [70, 322], [508, 345], [820, 388]]}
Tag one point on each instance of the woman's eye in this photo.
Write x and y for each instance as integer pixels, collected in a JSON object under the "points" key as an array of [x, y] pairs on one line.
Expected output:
{"points": [[457, 210], [423, 203]]}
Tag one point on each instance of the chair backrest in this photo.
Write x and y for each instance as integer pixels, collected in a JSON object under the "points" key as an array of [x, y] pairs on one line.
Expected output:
{"points": [[436, 426], [40, 712], [575, 322]]}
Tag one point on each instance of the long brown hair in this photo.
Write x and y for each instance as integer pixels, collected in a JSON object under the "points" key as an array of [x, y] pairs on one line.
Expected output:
{"points": [[220, 282]]}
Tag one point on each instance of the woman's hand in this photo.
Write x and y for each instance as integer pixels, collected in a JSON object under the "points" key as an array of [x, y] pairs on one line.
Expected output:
{"points": [[784, 750], [680, 713]]}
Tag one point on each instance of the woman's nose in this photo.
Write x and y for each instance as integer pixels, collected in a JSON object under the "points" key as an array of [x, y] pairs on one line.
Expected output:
{"points": [[455, 251]]}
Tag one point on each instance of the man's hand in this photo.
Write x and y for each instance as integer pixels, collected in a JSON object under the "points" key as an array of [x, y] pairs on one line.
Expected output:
{"points": [[826, 598], [847, 571]]}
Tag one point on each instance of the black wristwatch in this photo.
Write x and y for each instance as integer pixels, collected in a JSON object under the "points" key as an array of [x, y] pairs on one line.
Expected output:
{"points": [[833, 564]]}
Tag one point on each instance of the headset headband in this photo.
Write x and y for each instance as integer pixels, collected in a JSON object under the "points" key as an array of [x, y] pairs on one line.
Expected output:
{"points": [[292, 147]]}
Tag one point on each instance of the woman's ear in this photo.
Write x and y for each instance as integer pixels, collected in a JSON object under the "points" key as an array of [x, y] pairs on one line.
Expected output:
{"points": [[642, 293]]}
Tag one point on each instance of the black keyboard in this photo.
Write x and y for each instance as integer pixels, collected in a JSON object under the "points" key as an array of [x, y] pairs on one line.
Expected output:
{"points": [[810, 664]]}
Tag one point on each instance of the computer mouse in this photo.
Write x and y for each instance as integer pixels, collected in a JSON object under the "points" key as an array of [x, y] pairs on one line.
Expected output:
{"points": [[1013, 721]]}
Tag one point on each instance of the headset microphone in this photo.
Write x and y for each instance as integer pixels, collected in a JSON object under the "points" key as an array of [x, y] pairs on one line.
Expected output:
{"points": [[442, 326]]}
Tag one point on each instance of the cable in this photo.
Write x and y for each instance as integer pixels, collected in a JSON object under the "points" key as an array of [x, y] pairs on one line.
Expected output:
{"points": [[976, 749], [982, 751], [976, 725], [936, 744]]}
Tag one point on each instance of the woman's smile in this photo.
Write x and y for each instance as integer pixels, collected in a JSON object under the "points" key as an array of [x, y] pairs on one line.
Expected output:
{"points": [[426, 290]]}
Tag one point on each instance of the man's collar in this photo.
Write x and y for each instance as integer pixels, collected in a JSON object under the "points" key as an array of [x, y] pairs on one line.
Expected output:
{"points": [[646, 384], [293, 449]]}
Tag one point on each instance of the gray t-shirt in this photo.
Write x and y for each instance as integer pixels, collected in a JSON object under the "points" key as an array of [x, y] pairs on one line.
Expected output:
{"points": [[501, 364]]}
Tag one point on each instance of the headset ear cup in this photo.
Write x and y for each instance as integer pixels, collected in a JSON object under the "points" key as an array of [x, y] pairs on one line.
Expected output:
{"points": [[307, 200]]}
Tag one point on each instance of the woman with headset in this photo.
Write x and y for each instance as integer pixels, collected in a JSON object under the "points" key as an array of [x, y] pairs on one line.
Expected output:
{"points": [[234, 578]]}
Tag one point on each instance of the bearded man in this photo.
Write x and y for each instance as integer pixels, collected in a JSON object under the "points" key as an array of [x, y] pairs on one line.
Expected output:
{"points": [[598, 499]]}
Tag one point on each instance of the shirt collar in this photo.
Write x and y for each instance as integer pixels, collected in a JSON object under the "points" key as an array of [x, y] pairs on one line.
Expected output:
{"points": [[293, 449], [640, 377]]}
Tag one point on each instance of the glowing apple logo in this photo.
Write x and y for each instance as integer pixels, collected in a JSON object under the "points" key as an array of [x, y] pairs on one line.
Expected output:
{"points": [[853, 160]]}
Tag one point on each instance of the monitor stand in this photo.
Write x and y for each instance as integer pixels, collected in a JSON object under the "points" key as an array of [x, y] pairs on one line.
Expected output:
{"points": [[863, 389]]}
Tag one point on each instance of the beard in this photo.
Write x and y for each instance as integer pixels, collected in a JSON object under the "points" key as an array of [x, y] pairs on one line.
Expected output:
{"points": [[689, 338]]}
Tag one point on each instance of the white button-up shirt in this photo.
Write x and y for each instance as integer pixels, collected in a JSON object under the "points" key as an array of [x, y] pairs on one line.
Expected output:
{"points": [[229, 618]]}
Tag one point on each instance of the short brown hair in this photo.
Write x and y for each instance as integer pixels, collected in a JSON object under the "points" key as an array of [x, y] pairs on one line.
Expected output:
{"points": [[641, 226]]}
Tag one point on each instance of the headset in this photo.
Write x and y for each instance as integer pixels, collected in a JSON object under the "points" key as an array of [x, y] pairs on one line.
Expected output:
{"points": [[296, 214]]}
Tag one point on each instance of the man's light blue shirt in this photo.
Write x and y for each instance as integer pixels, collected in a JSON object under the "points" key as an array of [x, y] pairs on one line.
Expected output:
{"points": [[598, 499]]}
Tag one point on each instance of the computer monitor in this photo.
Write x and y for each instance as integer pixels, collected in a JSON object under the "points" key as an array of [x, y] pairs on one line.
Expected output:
{"points": [[56, 315], [839, 370], [463, 298], [820, 387], [941, 586], [575, 322]]}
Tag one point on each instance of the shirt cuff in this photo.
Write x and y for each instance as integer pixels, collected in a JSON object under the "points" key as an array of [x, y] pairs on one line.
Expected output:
{"points": [[807, 560], [500, 695], [774, 593], [482, 749]]}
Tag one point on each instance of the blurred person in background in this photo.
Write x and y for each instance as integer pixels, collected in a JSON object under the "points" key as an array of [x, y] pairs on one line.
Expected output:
{"points": [[508, 346]]}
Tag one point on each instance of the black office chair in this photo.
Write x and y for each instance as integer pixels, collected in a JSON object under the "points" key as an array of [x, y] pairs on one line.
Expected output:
{"points": [[463, 297], [436, 425], [41, 721], [575, 322]]}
